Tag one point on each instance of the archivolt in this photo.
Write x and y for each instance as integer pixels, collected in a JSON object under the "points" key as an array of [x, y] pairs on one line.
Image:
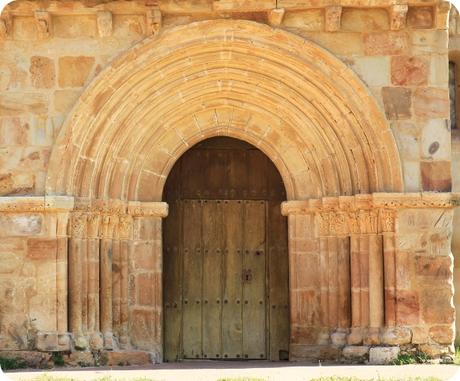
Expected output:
{"points": [[292, 99]]}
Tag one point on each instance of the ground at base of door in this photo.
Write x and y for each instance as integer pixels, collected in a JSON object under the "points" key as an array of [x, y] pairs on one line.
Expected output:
{"points": [[250, 370]]}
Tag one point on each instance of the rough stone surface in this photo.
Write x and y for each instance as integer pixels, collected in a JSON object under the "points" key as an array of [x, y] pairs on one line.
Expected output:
{"points": [[74, 71], [355, 352], [383, 355]]}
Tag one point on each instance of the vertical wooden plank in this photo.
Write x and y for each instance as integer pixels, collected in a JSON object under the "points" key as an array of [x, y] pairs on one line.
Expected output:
{"points": [[172, 273], [278, 278], [257, 170], [192, 279], [237, 175], [232, 323], [212, 278], [254, 281]]}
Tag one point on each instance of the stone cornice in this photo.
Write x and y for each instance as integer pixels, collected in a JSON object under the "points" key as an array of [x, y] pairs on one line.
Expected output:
{"points": [[36, 204], [24, 204], [148, 209], [372, 201]]}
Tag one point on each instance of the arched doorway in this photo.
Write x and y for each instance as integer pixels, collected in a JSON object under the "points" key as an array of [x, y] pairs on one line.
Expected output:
{"points": [[225, 255]]}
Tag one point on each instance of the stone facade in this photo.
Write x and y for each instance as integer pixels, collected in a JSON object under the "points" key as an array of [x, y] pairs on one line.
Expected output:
{"points": [[98, 100]]}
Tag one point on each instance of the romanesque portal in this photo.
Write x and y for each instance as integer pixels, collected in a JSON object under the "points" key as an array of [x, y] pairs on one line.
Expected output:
{"points": [[358, 252]]}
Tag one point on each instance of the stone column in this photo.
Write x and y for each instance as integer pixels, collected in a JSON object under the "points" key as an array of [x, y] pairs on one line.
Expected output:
{"points": [[106, 318], [308, 288], [77, 250], [125, 235], [145, 269], [93, 281]]}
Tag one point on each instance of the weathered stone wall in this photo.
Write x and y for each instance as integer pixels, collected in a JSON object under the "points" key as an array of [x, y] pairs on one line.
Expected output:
{"points": [[454, 56], [50, 52], [49, 57]]}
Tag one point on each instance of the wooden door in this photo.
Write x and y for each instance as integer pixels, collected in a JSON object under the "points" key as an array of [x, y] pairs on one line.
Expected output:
{"points": [[224, 279], [225, 256]]}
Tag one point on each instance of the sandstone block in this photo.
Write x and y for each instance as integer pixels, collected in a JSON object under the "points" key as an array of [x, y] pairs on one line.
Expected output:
{"points": [[437, 307], [74, 71], [14, 131], [353, 352], [431, 103], [339, 338], [41, 249], [25, 28], [20, 225], [411, 173], [145, 288], [397, 102], [301, 352], [340, 43], [375, 71], [407, 307], [126, 358], [383, 355], [20, 103], [47, 342], [439, 70], [435, 350], [364, 20], [79, 359], [33, 359], [436, 140], [420, 17], [419, 335], [442, 334], [81, 26], [409, 70], [308, 20], [436, 176], [65, 99], [386, 43], [396, 336], [429, 42], [131, 26], [434, 266], [42, 72]]}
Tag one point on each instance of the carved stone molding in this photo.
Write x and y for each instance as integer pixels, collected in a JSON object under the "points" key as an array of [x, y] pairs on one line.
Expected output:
{"points": [[333, 18], [43, 22], [78, 225], [36, 204], [154, 20], [275, 16], [6, 26], [125, 226], [148, 209], [372, 201], [104, 23]]}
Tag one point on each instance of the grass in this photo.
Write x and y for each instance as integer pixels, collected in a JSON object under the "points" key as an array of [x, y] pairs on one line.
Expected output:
{"points": [[413, 358], [457, 356], [12, 363]]}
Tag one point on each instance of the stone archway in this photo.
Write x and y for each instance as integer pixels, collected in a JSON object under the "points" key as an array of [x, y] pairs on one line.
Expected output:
{"points": [[301, 106]]}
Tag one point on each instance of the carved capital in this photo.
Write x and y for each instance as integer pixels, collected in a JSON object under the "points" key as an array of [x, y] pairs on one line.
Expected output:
{"points": [[43, 23], [398, 15], [78, 225], [108, 225], [93, 225], [386, 220], [333, 18], [125, 226], [153, 21]]}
